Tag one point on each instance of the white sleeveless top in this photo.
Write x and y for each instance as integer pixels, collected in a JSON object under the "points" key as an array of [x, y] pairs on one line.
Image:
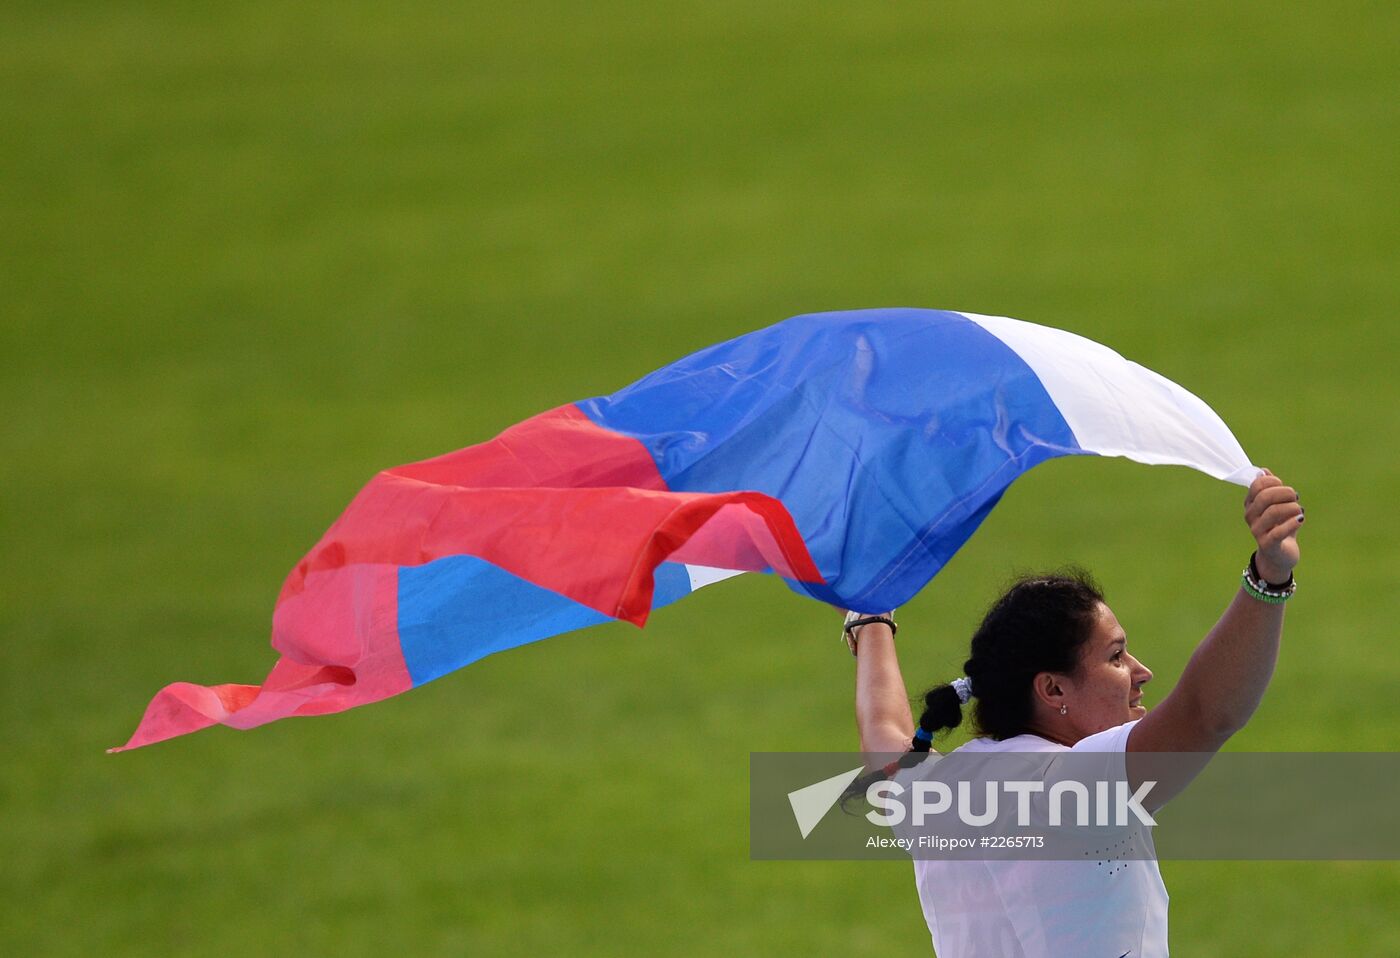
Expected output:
{"points": [[1043, 909]]}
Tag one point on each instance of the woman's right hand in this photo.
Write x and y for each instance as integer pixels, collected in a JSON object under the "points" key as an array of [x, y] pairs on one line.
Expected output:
{"points": [[1274, 514]]}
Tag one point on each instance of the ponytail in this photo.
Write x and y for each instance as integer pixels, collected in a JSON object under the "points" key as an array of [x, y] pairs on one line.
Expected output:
{"points": [[942, 713], [1040, 624]]}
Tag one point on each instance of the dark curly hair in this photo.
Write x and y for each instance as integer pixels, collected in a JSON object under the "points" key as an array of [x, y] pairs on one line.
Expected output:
{"points": [[1039, 624]]}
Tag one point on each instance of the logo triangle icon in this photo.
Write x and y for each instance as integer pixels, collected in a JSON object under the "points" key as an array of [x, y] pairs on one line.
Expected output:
{"points": [[811, 803]]}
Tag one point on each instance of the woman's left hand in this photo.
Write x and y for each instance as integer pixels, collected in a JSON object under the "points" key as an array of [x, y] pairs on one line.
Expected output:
{"points": [[1274, 514]]}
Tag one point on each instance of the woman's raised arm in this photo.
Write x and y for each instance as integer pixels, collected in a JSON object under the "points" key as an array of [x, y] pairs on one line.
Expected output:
{"points": [[882, 702], [1225, 680]]}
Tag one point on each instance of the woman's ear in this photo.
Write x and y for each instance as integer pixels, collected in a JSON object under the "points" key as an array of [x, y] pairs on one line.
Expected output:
{"points": [[1048, 688]]}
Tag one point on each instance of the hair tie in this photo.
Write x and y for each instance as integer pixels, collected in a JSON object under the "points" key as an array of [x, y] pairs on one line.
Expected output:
{"points": [[922, 734], [963, 687]]}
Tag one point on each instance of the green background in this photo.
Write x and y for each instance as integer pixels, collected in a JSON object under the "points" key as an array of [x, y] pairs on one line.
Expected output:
{"points": [[255, 252]]}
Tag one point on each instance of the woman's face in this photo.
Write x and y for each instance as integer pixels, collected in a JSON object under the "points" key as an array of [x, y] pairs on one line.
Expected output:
{"points": [[1106, 691]]}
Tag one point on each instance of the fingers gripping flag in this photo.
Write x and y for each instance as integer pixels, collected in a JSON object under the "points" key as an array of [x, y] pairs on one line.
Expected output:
{"points": [[851, 453]]}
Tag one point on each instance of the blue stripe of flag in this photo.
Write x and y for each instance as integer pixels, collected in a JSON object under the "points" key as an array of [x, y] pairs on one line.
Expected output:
{"points": [[458, 609], [872, 427]]}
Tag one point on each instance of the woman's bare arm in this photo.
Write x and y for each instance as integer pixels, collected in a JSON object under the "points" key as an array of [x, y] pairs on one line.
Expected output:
{"points": [[1224, 682], [882, 703]]}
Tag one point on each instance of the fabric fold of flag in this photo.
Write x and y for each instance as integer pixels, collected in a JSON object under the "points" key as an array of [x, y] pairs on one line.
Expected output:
{"points": [[850, 453]]}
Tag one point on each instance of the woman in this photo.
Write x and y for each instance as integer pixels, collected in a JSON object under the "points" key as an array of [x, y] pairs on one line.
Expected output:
{"points": [[1050, 671]]}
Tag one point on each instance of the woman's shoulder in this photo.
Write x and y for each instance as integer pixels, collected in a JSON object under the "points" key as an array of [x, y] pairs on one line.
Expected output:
{"points": [[1110, 740], [1017, 743]]}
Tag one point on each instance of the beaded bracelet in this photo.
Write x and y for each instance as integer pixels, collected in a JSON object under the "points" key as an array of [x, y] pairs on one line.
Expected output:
{"points": [[1256, 588]]}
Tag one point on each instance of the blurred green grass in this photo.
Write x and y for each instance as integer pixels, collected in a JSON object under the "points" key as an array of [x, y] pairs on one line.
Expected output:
{"points": [[252, 253]]}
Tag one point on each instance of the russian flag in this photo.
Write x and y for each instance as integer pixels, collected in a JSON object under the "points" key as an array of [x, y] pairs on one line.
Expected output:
{"points": [[850, 453]]}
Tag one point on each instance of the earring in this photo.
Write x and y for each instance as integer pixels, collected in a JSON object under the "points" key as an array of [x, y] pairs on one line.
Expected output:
{"points": [[1064, 709]]}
